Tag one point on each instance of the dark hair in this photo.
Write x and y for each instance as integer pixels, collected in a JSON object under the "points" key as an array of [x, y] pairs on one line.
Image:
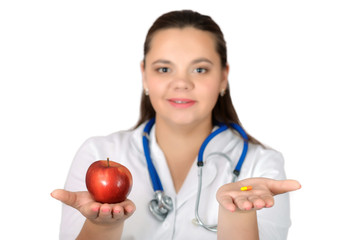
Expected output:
{"points": [[224, 110]]}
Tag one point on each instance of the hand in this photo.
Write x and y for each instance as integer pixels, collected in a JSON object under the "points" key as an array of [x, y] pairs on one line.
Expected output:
{"points": [[96, 212], [261, 196]]}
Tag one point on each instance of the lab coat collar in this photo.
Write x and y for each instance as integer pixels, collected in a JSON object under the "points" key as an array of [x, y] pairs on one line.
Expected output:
{"points": [[137, 143]]}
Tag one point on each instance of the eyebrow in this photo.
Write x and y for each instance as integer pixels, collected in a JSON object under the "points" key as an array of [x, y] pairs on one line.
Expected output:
{"points": [[161, 61], [198, 60]]}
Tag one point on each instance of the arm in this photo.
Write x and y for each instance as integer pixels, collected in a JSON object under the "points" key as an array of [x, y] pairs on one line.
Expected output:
{"points": [[237, 210], [91, 230], [237, 225], [103, 221]]}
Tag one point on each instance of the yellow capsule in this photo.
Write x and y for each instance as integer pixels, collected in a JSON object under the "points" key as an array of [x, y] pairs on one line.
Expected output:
{"points": [[246, 188]]}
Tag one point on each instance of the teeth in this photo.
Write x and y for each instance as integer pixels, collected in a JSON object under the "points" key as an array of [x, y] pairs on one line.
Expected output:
{"points": [[180, 101]]}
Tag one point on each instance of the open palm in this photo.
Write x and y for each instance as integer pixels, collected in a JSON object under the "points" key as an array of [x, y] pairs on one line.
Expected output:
{"points": [[261, 196], [94, 211]]}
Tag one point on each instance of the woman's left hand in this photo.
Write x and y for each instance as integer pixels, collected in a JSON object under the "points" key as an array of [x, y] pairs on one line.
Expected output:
{"points": [[260, 196]]}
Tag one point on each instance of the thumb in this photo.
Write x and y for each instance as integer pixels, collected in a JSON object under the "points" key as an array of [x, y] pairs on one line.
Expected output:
{"points": [[283, 186], [69, 198]]}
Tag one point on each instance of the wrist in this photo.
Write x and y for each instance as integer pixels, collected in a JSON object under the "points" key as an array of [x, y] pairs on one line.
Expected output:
{"points": [[100, 230], [106, 224]]}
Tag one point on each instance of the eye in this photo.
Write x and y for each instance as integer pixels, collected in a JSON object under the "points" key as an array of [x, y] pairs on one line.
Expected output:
{"points": [[163, 70], [200, 70]]}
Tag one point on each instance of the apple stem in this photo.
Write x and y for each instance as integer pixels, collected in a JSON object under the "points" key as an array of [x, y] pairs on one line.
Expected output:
{"points": [[108, 162]]}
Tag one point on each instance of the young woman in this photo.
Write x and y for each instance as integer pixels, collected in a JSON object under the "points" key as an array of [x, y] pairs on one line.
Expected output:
{"points": [[186, 92]]}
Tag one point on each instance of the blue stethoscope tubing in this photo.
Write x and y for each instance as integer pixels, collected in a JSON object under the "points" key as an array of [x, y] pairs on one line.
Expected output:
{"points": [[159, 212], [223, 127], [157, 186]]}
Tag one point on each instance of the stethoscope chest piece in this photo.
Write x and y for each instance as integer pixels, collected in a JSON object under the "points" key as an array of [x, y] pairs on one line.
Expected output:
{"points": [[161, 205]]}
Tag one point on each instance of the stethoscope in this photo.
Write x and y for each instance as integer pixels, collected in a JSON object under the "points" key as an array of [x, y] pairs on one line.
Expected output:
{"points": [[162, 204]]}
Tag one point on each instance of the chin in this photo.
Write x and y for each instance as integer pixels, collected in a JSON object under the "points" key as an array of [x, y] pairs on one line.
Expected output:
{"points": [[187, 120]]}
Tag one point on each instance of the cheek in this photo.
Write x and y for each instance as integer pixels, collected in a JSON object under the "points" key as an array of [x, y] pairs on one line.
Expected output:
{"points": [[154, 82], [156, 88], [210, 89], [156, 93], [209, 95]]}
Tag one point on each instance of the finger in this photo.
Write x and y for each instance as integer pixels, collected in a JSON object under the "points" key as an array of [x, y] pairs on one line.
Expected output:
{"points": [[129, 210], [69, 198], [105, 212], [118, 212], [257, 202], [269, 201], [243, 203], [91, 211], [227, 203], [283, 186], [124, 209]]}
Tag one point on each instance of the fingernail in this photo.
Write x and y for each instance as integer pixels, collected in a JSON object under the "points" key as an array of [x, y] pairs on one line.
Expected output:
{"points": [[129, 209], [53, 194], [105, 210], [95, 209]]}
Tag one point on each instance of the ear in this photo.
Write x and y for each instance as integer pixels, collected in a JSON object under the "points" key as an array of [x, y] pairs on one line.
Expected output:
{"points": [[142, 68], [224, 77]]}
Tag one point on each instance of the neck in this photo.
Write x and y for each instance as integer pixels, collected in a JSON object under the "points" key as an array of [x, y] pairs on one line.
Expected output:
{"points": [[181, 135], [180, 145]]}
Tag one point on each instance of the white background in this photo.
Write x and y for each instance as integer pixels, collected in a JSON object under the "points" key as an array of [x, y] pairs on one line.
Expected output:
{"points": [[69, 70]]}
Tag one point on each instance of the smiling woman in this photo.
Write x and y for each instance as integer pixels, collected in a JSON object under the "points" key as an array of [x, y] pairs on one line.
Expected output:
{"points": [[190, 76], [187, 101], [224, 110]]}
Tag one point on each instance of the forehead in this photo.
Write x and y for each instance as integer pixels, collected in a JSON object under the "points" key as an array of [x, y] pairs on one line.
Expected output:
{"points": [[184, 43]]}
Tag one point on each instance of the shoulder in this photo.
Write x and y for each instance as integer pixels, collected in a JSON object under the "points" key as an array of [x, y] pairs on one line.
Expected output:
{"points": [[263, 161], [115, 146], [124, 139], [260, 152], [260, 161]]}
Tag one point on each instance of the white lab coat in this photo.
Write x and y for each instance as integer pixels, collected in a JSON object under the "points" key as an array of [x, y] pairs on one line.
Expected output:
{"points": [[126, 148]]}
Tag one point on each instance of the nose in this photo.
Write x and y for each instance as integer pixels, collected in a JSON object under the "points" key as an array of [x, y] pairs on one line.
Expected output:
{"points": [[182, 82]]}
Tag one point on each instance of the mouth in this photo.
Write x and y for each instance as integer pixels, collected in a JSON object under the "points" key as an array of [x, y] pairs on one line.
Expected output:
{"points": [[181, 102]]}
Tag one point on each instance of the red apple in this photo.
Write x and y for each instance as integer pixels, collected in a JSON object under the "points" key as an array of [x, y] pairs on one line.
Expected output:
{"points": [[108, 181]]}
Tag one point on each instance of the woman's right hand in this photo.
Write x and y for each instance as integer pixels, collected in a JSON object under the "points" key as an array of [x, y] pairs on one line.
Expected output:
{"points": [[97, 213]]}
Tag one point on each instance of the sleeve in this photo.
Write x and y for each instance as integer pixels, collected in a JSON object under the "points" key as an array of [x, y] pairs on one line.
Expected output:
{"points": [[273, 222], [72, 220]]}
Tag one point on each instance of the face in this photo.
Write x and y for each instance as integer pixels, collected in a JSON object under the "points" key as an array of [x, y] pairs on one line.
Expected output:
{"points": [[183, 75]]}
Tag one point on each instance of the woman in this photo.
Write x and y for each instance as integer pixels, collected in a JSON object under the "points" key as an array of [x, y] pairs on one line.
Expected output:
{"points": [[185, 80]]}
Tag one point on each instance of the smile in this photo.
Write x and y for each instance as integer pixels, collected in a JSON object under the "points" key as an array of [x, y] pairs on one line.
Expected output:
{"points": [[181, 103]]}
